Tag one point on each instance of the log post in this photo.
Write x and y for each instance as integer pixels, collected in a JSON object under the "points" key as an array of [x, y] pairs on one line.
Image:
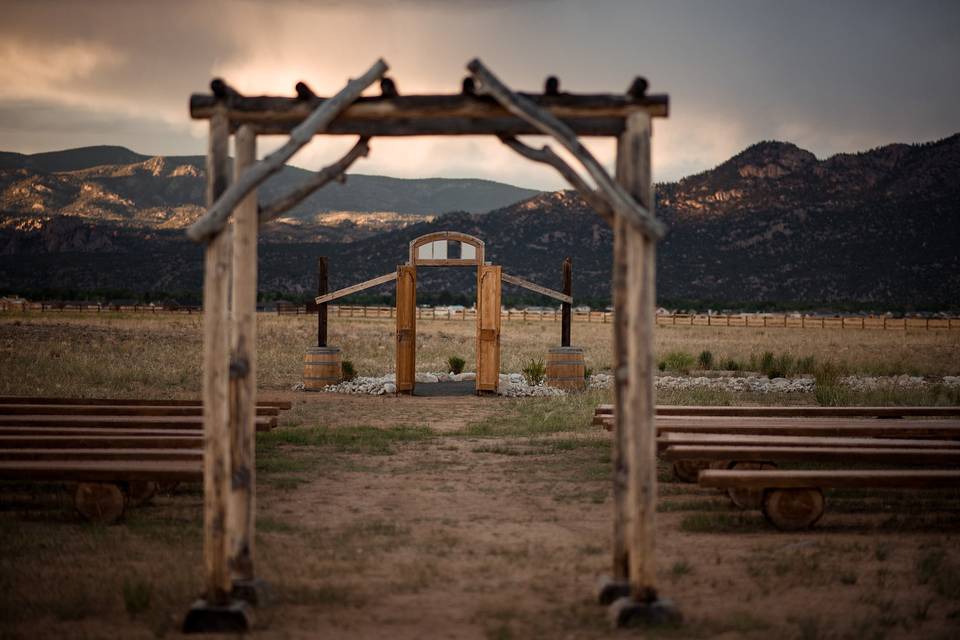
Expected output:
{"points": [[636, 397], [217, 610], [565, 307], [243, 376], [322, 286], [639, 404], [216, 332]]}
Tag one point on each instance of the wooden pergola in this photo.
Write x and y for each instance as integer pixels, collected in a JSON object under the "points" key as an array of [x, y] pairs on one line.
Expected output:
{"points": [[485, 106]]}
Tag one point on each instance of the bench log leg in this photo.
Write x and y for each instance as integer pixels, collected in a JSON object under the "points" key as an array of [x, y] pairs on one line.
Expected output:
{"points": [[689, 470], [793, 509], [100, 502], [140, 492], [748, 499]]}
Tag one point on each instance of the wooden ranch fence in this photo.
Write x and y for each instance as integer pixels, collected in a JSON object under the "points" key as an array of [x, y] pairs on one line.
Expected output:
{"points": [[606, 317], [550, 315]]}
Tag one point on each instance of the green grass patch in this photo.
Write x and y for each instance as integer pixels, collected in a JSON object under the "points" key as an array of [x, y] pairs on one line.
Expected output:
{"points": [[538, 416], [723, 523], [358, 439]]}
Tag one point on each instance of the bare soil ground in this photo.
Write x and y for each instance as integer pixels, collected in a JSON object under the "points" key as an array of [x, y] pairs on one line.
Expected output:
{"points": [[446, 517]]}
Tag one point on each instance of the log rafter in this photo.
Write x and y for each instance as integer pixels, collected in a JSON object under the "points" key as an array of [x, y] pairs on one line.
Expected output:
{"points": [[620, 201], [213, 221]]}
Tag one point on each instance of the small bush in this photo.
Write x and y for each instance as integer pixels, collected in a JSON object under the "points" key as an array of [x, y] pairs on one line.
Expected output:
{"points": [[731, 365], [534, 372], [587, 372], [767, 362], [662, 366], [679, 361], [827, 387], [347, 372], [456, 364], [705, 359], [136, 596], [806, 365]]}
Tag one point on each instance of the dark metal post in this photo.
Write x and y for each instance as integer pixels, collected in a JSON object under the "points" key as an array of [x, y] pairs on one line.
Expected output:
{"points": [[322, 308], [565, 306]]}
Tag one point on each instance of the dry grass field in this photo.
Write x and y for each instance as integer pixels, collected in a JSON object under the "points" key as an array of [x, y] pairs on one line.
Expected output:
{"points": [[458, 517]]}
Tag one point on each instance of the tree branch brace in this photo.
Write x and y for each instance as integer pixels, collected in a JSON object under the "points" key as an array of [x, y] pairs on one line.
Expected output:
{"points": [[616, 197], [215, 219]]}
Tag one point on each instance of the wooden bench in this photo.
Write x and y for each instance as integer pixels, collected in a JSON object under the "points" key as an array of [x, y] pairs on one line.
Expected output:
{"points": [[111, 410], [691, 460], [603, 414], [138, 440], [105, 487], [263, 423], [814, 427], [131, 402], [794, 499]]}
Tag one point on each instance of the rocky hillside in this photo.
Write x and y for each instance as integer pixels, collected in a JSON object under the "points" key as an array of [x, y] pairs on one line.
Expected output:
{"points": [[771, 225], [117, 186]]}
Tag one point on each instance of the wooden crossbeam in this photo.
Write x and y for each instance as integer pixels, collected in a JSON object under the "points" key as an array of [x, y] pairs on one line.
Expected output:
{"points": [[373, 282], [456, 114], [532, 286], [213, 221]]}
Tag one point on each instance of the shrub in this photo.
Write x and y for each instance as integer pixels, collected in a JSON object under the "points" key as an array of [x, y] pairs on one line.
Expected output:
{"points": [[731, 365], [679, 361], [347, 372], [705, 359], [827, 387], [534, 372], [767, 362], [662, 366], [587, 372], [456, 364], [806, 365]]}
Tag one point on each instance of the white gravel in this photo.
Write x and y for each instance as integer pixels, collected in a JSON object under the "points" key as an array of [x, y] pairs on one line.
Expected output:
{"points": [[514, 385]]}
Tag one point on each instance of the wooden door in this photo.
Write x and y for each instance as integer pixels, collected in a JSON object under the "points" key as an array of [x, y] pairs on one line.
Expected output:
{"points": [[406, 328], [488, 327]]}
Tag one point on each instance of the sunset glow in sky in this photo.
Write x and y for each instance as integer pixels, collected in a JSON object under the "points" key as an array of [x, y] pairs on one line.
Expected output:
{"points": [[828, 76]]}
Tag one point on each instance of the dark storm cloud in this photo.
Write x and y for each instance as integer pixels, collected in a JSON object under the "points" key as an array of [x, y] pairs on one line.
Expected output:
{"points": [[830, 76]]}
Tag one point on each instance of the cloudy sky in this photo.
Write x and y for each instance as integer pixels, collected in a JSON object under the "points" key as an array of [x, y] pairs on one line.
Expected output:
{"points": [[830, 76]]}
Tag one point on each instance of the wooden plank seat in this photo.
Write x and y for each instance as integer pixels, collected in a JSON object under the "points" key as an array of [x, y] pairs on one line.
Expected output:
{"points": [[686, 467], [671, 439], [108, 453], [164, 402], [605, 410], [263, 423], [105, 487], [112, 410], [733, 454], [820, 427], [138, 441], [79, 431], [794, 500]]}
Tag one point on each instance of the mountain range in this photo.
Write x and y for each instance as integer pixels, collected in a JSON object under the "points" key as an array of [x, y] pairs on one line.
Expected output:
{"points": [[773, 225]]}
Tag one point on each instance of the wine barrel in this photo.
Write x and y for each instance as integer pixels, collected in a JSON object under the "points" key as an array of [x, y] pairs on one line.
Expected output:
{"points": [[565, 368], [321, 367]]}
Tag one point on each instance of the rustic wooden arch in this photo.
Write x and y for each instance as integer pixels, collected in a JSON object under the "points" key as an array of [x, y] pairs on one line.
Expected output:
{"points": [[490, 279], [450, 236], [485, 106]]}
